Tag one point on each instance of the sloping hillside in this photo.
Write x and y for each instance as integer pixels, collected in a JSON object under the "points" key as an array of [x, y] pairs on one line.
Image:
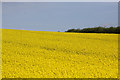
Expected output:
{"points": [[39, 54]]}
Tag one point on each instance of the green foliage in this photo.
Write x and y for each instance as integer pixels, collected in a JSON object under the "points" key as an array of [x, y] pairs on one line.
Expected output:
{"points": [[97, 30]]}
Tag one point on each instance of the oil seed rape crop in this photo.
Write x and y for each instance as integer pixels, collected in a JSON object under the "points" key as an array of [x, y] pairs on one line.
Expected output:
{"points": [[40, 54], [0, 54]]}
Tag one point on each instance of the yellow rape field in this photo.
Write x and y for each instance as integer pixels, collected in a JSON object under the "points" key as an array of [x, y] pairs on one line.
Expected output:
{"points": [[41, 54]]}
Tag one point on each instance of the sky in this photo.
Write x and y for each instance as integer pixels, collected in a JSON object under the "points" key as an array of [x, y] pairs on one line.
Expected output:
{"points": [[58, 16], [59, 0]]}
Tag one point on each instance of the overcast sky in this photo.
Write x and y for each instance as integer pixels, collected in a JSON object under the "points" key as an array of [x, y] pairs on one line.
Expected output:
{"points": [[58, 16], [59, 0]]}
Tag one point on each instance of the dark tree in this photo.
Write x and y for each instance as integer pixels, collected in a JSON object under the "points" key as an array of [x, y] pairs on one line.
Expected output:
{"points": [[97, 30]]}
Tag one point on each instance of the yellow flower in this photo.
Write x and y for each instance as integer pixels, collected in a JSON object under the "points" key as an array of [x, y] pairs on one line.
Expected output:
{"points": [[40, 54]]}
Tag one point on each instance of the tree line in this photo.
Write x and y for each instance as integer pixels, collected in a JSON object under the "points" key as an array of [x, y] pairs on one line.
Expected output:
{"points": [[97, 30]]}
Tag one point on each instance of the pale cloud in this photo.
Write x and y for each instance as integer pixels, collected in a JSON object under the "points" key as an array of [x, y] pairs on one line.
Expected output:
{"points": [[60, 0]]}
